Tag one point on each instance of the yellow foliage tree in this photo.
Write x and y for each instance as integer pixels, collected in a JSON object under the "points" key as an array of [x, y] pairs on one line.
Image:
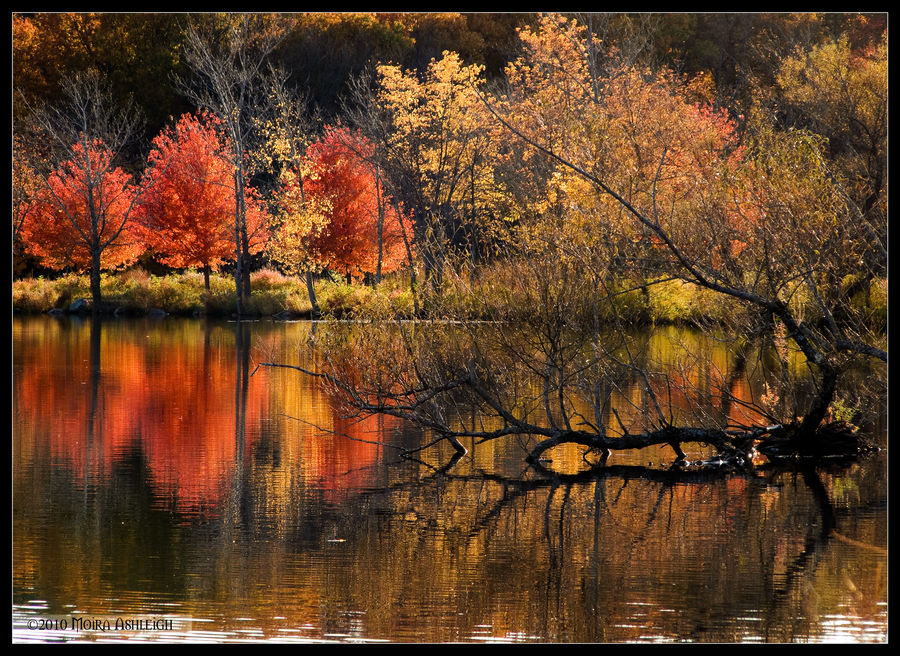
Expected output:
{"points": [[441, 148], [638, 129], [841, 94]]}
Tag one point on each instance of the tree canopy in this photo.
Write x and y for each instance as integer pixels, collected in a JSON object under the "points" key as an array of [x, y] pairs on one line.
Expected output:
{"points": [[83, 208], [748, 160], [335, 213], [187, 214]]}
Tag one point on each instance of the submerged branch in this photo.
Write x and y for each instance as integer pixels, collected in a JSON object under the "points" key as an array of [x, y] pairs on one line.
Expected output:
{"points": [[736, 448], [668, 435]]}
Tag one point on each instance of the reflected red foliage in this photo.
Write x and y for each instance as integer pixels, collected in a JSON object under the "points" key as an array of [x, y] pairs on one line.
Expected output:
{"points": [[173, 396]]}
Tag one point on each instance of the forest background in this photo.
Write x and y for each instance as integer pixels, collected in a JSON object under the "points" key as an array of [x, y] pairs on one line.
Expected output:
{"points": [[439, 192]]}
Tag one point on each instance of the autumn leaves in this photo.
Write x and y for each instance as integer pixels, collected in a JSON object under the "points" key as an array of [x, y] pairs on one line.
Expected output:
{"points": [[334, 212], [446, 168], [187, 211], [329, 210], [85, 202]]}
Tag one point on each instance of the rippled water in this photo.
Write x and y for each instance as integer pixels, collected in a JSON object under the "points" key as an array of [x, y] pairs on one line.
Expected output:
{"points": [[159, 475]]}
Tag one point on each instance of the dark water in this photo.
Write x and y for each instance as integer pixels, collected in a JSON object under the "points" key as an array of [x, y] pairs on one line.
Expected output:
{"points": [[158, 475]]}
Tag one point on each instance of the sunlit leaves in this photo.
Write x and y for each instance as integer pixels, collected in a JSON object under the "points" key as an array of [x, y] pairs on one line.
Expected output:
{"points": [[842, 95], [83, 210], [443, 140], [786, 209], [187, 212], [329, 211], [641, 131]]}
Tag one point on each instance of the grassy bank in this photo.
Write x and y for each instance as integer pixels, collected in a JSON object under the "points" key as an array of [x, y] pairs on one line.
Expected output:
{"points": [[499, 295], [272, 293]]}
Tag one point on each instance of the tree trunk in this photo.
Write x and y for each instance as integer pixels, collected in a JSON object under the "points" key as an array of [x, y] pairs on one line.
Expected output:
{"points": [[311, 290], [473, 256], [380, 225], [238, 260], [96, 296], [206, 277], [438, 275], [412, 264], [244, 247], [245, 279], [241, 244], [820, 405]]}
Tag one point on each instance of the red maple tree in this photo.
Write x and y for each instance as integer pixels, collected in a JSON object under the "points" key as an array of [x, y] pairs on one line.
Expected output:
{"points": [[187, 213], [338, 177], [81, 217]]}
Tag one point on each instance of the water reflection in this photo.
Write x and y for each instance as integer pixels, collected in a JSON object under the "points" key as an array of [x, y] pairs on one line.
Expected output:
{"points": [[154, 475]]}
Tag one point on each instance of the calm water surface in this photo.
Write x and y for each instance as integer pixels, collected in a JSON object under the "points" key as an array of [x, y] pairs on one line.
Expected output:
{"points": [[158, 474]]}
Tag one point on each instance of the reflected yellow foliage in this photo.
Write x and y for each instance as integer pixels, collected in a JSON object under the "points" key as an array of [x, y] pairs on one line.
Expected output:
{"points": [[314, 535]]}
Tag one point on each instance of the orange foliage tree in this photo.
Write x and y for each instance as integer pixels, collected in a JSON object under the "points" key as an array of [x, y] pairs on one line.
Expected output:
{"points": [[653, 135], [187, 212], [331, 207], [82, 217], [27, 183], [756, 217]]}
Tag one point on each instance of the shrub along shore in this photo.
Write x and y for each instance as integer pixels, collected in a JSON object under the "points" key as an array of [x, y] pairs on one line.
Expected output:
{"points": [[136, 292]]}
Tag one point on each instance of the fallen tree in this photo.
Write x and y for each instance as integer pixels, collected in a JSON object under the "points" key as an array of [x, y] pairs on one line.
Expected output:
{"points": [[475, 383], [646, 184]]}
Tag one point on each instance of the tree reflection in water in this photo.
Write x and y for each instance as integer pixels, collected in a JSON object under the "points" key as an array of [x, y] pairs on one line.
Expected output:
{"points": [[177, 481], [564, 385]]}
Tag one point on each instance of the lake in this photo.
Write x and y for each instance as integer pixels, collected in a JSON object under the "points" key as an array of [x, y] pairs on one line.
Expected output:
{"points": [[166, 488]]}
